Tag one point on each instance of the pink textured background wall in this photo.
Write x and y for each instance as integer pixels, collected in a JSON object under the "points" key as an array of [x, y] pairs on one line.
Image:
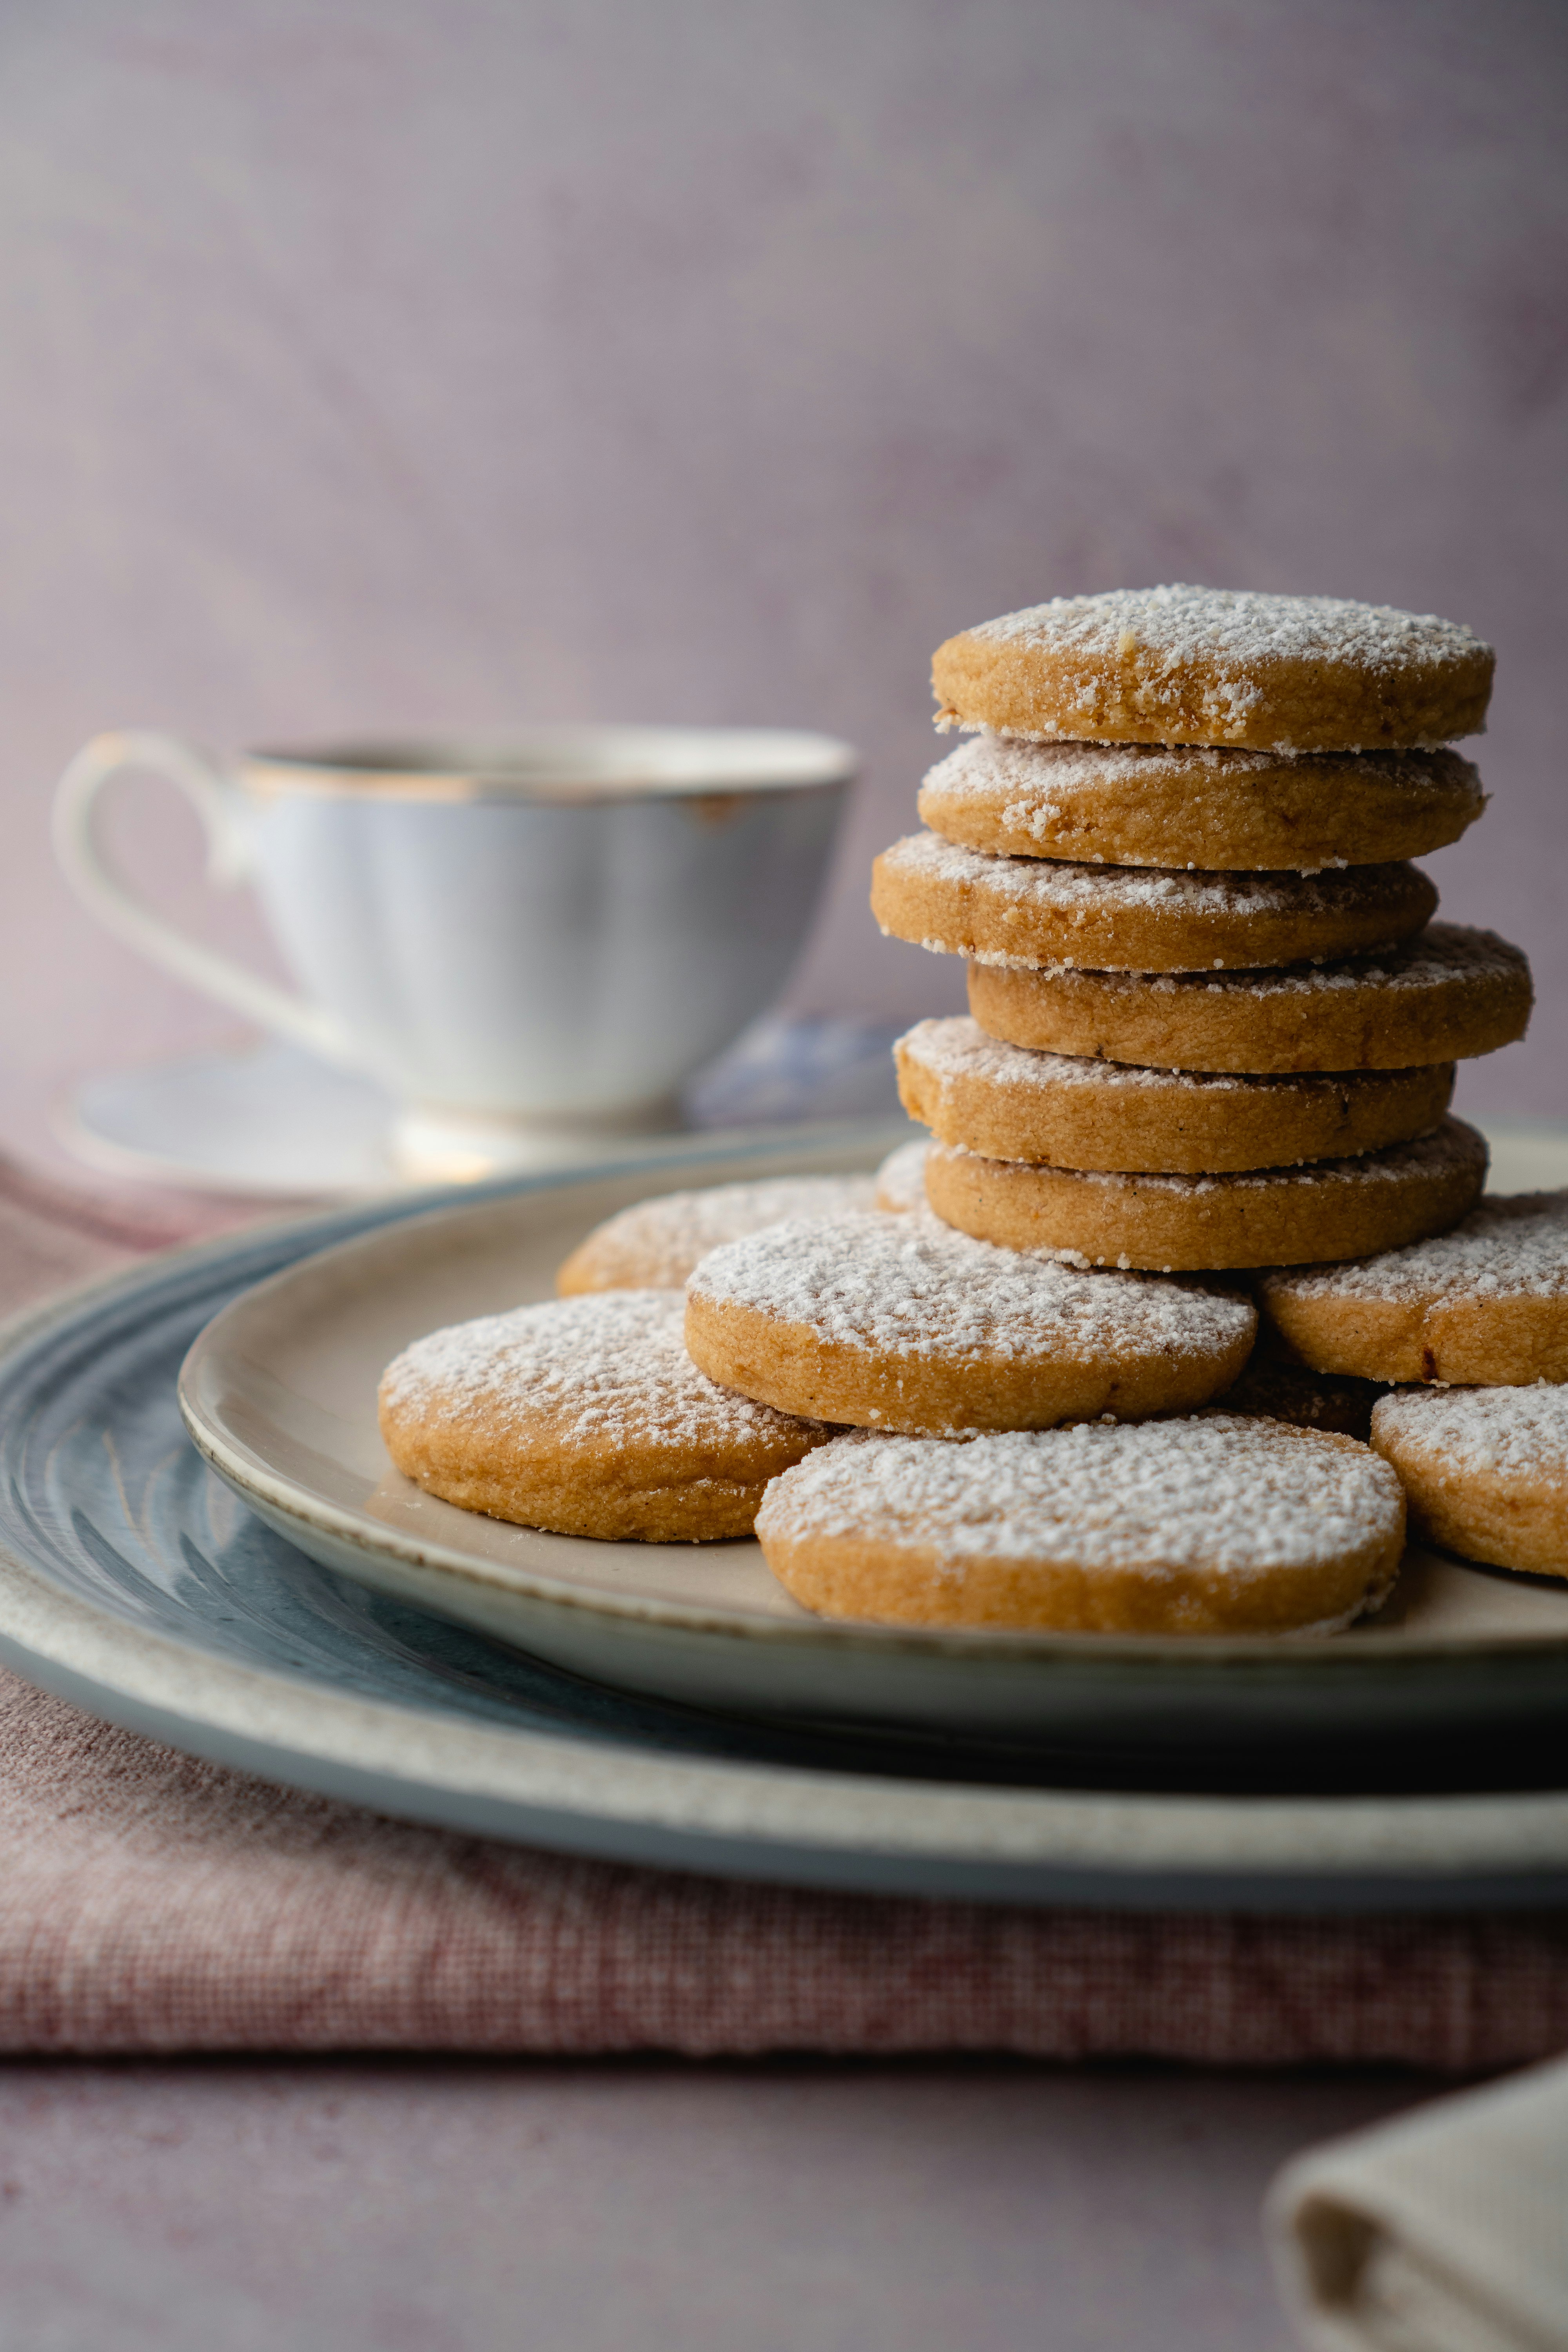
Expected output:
{"points": [[398, 362]]}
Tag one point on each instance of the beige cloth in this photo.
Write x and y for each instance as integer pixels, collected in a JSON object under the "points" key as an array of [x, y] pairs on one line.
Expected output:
{"points": [[152, 1903], [1445, 2231]]}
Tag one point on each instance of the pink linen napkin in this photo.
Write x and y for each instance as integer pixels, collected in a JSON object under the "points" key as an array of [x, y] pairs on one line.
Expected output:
{"points": [[154, 1903]]}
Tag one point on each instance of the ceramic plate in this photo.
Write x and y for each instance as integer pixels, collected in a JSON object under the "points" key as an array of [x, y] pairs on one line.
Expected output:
{"points": [[134, 1581]]}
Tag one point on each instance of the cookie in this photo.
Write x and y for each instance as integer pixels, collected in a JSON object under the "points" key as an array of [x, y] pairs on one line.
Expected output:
{"points": [[1214, 1525], [1037, 911], [1485, 1471], [1448, 994], [585, 1416], [896, 1323], [1182, 805], [1483, 1306], [1186, 665], [1009, 1103], [1272, 1216], [901, 1180], [655, 1244]]}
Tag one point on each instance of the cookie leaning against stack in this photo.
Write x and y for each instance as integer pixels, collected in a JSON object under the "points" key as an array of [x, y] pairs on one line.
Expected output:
{"points": [[1211, 1023]]}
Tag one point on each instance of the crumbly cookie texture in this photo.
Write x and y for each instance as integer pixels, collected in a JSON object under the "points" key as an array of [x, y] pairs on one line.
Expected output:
{"points": [[1485, 1470], [1271, 1216], [896, 1322], [901, 1180], [1032, 912], [1448, 994], [1185, 805], [1007, 1102], [1211, 665], [585, 1416], [1209, 1525], [655, 1244], [1484, 1305]]}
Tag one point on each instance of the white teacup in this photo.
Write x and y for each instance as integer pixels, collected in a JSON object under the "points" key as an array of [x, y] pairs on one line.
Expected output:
{"points": [[521, 939]]}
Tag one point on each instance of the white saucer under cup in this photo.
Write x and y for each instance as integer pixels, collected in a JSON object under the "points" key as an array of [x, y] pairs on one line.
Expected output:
{"points": [[529, 943]]}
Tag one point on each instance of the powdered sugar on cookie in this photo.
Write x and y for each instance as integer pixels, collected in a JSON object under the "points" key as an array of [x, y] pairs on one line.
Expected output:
{"points": [[607, 1369], [1239, 631], [1510, 1246], [1206, 666], [1451, 1146], [1034, 787], [915, 1288], [1065, 886], [901, 1180], [1517, 1432], [1216, 1491], [959, 1049], [655, 1244]]}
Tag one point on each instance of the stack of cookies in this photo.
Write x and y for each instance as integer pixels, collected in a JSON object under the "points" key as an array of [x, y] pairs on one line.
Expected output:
{"points": [[1212, 1027], [1213, 1024]]}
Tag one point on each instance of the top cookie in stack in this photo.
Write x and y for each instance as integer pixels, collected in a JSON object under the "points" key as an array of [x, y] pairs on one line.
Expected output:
{"points": [[1213, 1025]]}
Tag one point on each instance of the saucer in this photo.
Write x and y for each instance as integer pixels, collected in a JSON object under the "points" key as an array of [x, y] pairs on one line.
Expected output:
{"points": [[269, 1120]]}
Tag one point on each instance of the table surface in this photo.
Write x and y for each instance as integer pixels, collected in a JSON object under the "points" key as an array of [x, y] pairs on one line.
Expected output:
{"points": [[378, 2206]]}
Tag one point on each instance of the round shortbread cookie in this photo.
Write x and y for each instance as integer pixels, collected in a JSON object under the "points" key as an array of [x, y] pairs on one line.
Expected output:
{"points": [[895, 1322], [1270, 1216], [901, 1180], [1182, 805], [1447, 996], [1483, 1306], [1485, 1471], [585, 1416], [1009, 1103], [655, 1244], [1214, 1525], [1184, 665], [1031, 911]]}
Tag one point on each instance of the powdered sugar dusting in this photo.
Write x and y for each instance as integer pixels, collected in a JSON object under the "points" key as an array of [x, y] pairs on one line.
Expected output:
{"points": [[1214, 1491], [901, 1180], [1516, 1433], [1510, 1246], [960, 1048], [1442, 953], [1236, 632], [1036, 785], [655, 1243], [1449, 1149], [1070, 890], [609, 1368], [913, 1287]]}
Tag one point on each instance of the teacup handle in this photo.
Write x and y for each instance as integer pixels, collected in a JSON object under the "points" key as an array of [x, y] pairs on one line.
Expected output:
{"points": [[107, 894]]}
